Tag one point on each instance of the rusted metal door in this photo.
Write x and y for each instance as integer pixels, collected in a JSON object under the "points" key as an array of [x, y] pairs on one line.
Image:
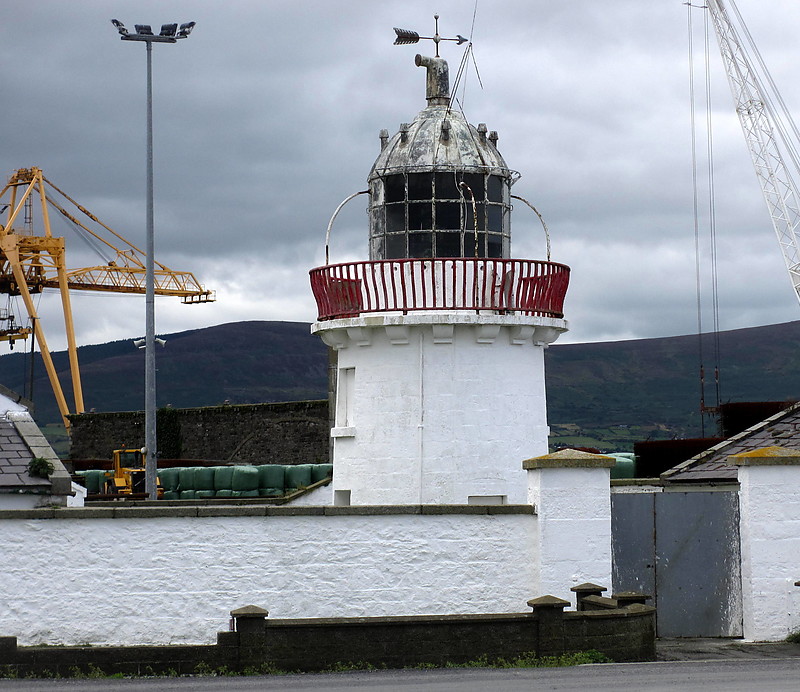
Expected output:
{"points": [[683, 548]]}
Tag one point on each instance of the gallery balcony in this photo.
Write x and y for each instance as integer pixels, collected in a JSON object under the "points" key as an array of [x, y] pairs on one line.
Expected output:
{"points": [[480, 285]]}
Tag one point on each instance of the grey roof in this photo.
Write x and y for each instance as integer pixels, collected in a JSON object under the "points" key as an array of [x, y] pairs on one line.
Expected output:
{"points": [[782, 429], [14, 458], [20, 441]]}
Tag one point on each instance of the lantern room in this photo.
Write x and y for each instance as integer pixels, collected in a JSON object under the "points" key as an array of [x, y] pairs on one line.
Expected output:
{"points": [[439, 187]]}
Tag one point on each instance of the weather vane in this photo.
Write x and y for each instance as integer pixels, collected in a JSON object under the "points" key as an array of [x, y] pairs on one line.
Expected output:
{"points": [[405, 37]]}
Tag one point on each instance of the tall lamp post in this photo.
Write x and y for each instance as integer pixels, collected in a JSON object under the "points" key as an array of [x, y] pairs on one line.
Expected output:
{"points": [[170, 33]]}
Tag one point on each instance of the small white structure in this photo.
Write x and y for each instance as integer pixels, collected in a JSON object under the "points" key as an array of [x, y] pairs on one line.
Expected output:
{"points": [[440, 336]]}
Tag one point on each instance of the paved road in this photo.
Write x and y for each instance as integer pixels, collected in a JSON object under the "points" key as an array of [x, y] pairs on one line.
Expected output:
{"points": [[775, 675]]}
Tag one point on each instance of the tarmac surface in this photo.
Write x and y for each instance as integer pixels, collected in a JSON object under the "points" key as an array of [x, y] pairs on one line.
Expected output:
{"points": [[719, 649]]}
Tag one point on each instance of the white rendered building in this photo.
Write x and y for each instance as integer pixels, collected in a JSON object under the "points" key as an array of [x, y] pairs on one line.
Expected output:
{"points": [[440, 336]]}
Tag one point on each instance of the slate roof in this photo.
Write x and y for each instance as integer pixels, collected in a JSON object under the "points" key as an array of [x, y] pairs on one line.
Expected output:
{"points": [[14, 458], [20, 441], [711, 466]]}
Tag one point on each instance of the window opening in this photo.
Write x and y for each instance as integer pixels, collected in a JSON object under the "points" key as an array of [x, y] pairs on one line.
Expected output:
{"points": [[344, 397]]}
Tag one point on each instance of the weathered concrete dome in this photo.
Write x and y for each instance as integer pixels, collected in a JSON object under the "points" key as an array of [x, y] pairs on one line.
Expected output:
{"points": [[436, 180]]}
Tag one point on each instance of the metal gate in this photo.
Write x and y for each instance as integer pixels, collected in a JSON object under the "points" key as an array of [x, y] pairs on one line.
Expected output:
{"points": [[683, 548]]}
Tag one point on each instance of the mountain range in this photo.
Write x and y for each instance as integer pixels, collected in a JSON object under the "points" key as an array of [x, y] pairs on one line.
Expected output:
{"points": [[646, 383]]}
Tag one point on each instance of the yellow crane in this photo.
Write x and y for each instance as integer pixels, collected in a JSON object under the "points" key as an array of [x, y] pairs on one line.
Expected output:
{"points": [[33, 259]]}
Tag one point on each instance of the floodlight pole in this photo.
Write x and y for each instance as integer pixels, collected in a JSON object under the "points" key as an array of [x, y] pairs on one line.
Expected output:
{"points": [[150, 437]]}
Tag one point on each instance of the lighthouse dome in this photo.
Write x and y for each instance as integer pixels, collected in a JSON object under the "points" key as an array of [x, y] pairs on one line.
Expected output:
{"points": [[440, 138], [437, 180]]}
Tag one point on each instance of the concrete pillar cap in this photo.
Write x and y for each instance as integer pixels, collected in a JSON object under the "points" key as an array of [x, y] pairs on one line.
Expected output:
{"points": [[249, 611], [766, 456], [569, 458], [588, 586], [548, 602]]}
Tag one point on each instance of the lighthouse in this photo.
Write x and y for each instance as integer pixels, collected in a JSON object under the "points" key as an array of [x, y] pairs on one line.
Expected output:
{"points": [[440, 335]]}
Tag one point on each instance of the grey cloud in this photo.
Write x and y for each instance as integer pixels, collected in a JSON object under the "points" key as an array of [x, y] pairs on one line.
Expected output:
{"points": [[268, 115]]}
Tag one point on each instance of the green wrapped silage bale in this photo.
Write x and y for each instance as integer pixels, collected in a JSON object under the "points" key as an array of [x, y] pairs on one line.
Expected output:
{"points": [[171, 495], [298, 476], [203, 494], [245, 478], [204, 478], [223, 478], [95, 481], [186, 479], [224, 492], [248, 493], [271, 479], [320, 472], [624, 467], [170, 479], [187, 494]]}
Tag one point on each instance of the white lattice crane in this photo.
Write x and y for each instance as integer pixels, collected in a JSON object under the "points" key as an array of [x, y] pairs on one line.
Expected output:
{"points": [[765, 132], [32, 259]]}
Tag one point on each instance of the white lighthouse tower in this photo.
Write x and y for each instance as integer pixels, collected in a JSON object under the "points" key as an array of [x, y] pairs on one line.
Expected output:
{"points": [[440, 335]]}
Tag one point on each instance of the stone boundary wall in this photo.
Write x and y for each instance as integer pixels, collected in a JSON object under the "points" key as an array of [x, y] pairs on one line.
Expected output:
{"points": [[179, 570], [622, 634], [284, 433]]}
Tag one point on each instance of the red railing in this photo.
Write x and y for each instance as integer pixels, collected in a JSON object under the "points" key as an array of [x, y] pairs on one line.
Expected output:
{"points": [[528, 287]]}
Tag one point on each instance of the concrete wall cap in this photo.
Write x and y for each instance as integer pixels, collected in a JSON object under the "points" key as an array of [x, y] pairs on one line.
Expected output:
{"points": [[569, 458], [191, 510], [630, 594], [599, 603], [766, 456], [632, 611]]}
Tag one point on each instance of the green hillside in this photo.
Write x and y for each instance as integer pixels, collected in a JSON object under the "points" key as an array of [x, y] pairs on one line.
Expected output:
{"points": [[609, 393]]}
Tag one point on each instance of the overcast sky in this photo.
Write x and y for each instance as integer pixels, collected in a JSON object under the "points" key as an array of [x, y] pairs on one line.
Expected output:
{"points": [[269, 114]]}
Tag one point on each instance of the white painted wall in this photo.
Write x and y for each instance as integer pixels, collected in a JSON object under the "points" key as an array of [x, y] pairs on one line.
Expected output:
{"points": [[438, 409], [21, 500], [769, 508], [9, 405], [175, 580], [574, 528]]}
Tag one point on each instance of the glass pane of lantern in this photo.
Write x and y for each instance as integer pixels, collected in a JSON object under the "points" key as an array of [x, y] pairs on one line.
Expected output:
{"points": [[420, 186], [395, 217], [469, 245], [447, 186], [495, 212], [420, 244], [495, 192], [395, 188], [495, 248], [396, 246], [470, 213], [475, 182], [378, 220], [448, 244], [420, 216], [448, 216]]}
